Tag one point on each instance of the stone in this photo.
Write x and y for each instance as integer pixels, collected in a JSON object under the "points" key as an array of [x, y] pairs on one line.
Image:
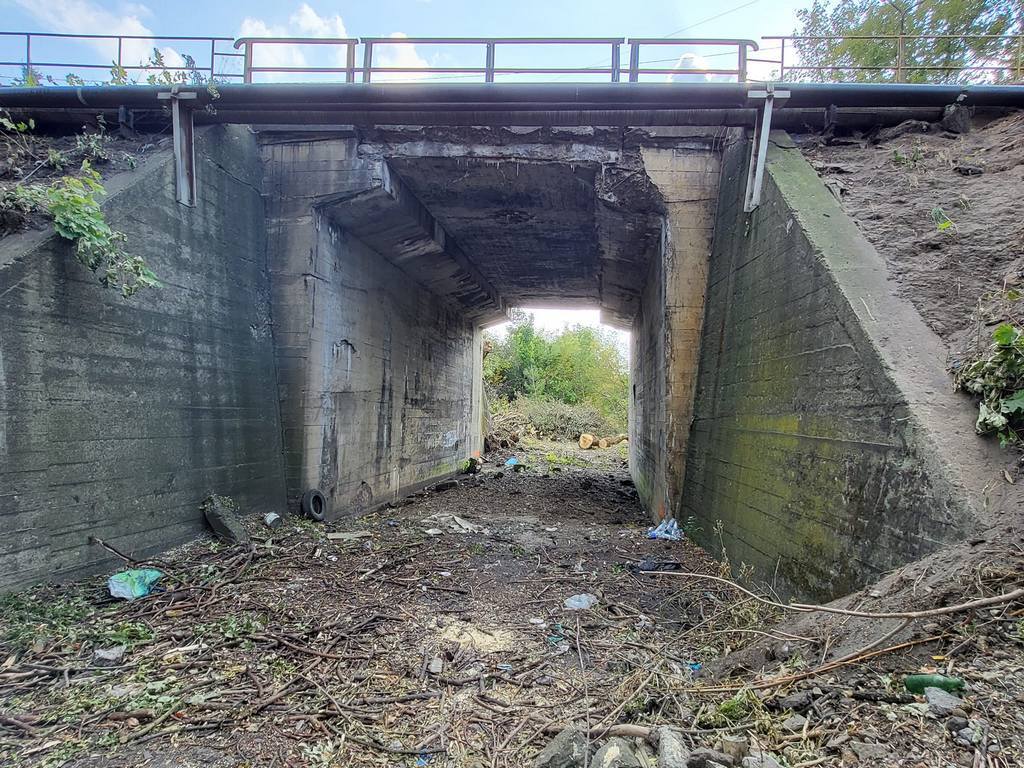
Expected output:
{"points": [[941, 703], [798, 702], [435, 666], [567, 750], [737, 747], [956, 118], [672, 751], [955, 724], [108, 657], [704, 758], [221, 517], [869, 752], [761, 760], [794, 723], [616, 753], [446, 485]]}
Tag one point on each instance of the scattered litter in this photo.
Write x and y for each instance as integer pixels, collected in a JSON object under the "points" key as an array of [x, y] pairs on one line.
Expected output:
{"points": [[667, 529], [515, 464], [433, 532], [133, 583], [511, 461], [536, 620], [108, 657], [349, 535], [451, 522], [272, 520], [581, 602], [435, 666]]}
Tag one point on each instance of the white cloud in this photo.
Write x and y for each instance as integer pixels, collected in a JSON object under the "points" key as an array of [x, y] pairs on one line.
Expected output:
{"points": [[689, 61], [305, 21], [85, 17], [404, 56]]}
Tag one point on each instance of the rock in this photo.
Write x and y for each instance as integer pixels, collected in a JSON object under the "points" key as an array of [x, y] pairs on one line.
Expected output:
{"points": [[798, 702], [941, 703], [672, 752], [567, 750], [956, 118], [956, 724], [794, 723], [968, 169], [737, 747], [869, 752], [108, 657], [761, 760], [445, 485], [435, 666], [616, 753], [705, 758], [221, 517]]}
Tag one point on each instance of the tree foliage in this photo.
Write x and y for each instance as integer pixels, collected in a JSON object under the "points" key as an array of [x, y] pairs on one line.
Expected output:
{"points": [[961, 23], [579, 366]]}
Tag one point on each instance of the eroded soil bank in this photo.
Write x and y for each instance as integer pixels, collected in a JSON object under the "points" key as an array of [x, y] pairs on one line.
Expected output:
{"points": [[428, 640]]}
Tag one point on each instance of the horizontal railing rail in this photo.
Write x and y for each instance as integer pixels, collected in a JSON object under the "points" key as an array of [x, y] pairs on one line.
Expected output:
{"points": [[370, 59], [33, 65], [901, 66]]}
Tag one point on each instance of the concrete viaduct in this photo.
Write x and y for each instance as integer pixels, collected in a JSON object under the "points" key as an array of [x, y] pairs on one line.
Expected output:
{"points": [[330, 254]]}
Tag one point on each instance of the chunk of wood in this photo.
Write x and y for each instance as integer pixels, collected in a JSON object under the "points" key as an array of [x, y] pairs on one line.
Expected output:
{"points": [[587, 440]]}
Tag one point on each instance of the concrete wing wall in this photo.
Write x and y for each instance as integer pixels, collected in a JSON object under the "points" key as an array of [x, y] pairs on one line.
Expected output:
{"points": [[826, 436], [118, 417]]}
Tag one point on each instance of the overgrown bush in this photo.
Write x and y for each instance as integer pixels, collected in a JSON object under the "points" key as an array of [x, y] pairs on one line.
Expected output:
{"points": [[996, 377], [565, 383]]}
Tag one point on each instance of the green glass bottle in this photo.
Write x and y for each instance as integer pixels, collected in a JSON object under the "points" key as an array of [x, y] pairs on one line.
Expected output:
{"points": [[917, 683]]}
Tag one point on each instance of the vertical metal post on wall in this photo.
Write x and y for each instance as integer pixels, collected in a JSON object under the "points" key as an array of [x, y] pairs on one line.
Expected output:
{"points": [[900, 59], [741, 65], [489, 64], [350, 62], [183, 127], [616, 64], [759, 143], [28, 55], [782, 60], [634, 62]]}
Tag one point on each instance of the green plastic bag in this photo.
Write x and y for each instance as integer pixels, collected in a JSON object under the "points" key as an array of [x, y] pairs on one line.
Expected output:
{"points": [[133, 583]]}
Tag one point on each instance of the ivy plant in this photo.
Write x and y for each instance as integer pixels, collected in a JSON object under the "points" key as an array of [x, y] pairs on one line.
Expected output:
{"points": [[996, 377]]}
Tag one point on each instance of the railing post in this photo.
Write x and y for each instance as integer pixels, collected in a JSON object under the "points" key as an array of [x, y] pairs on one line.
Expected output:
{"points": [[782, 61], [213, 57], [1020, 58], [28, 56], [247, 63], [899, 59], [367, 61], [616, 64], [634, 62], [741, 67], [350, 62], [489, 64]]}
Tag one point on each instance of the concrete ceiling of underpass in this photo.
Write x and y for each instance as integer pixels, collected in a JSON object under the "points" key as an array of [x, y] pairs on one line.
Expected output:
{"points": [[541, 232]]}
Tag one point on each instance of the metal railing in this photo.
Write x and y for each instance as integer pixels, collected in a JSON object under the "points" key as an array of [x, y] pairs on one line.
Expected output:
{"points": [[33, 65], [901, 66], [490, 69]]}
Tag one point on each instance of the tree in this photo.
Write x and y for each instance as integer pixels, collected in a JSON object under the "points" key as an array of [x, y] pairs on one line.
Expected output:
{"points": [[958, 33]]}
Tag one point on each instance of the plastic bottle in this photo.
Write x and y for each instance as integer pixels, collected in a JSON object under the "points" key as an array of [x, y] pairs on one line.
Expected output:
{"points": [[917, 683]]}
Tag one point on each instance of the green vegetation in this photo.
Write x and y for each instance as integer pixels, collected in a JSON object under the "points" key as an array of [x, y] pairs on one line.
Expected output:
{"points": [[72, 202], [996, 377], [957, 19], [563, 384]]}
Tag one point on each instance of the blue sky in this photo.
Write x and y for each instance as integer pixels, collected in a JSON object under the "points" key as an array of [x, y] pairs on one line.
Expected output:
{"points": [[414, 18]]}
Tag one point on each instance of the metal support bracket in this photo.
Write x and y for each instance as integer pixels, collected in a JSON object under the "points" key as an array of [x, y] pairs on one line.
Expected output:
{"points": [[759, 144], [183, 127]]}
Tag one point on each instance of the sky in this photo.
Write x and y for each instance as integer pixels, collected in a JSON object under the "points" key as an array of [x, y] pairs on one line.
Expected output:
{"points": [[398, 18]]}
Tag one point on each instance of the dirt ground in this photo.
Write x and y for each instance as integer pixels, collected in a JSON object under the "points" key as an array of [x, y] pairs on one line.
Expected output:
{"points": [[944, 211], [430, 640]]}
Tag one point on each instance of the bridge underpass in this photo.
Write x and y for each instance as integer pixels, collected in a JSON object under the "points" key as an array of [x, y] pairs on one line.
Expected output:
{"points": [[332, 279]]}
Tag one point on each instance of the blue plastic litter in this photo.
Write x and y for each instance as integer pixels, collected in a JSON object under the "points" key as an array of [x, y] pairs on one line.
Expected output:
{"points": [[511, 462], [694, 666], [133, 583], [423, 759], [667, 529]]}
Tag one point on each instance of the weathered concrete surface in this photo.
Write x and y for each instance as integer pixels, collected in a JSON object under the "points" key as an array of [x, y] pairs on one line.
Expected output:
{"points": [[375, 369], [826, 438], [118, 417], [666, 331]]}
